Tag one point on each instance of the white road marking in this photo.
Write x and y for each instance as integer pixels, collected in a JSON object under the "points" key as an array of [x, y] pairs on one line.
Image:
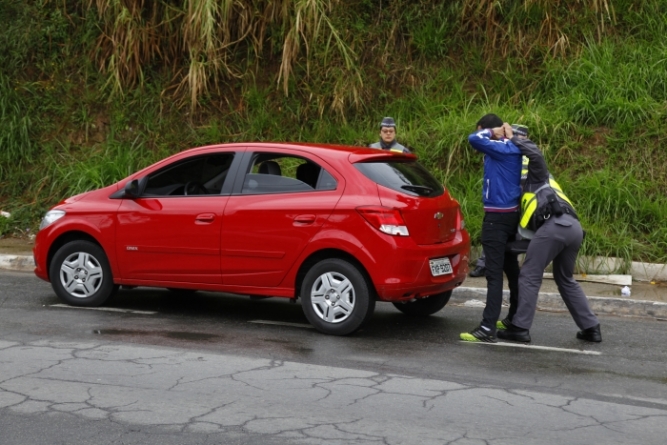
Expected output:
{"points": [[281, 323], [543, 348], [107, 309]]}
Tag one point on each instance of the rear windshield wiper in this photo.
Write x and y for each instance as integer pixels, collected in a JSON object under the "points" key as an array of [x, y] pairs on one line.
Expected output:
{"points": [[419, 189]]}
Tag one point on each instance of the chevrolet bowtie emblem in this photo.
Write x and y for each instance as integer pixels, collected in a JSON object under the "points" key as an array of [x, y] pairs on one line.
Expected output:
{"points": [[438, 215]]}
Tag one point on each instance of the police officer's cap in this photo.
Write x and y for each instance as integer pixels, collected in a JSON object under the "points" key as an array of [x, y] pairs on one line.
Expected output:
{"points": [[520, 130], [388, 122]]}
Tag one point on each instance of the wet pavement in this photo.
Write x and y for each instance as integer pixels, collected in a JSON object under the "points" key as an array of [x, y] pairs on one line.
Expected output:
{"points": [[151, 367]]}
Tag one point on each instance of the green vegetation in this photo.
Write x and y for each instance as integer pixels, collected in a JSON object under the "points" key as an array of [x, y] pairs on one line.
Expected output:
{"points": [[91, 91]]}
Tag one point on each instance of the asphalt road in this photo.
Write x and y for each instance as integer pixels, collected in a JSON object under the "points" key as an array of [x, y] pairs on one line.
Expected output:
{"points": [[155, 367]]}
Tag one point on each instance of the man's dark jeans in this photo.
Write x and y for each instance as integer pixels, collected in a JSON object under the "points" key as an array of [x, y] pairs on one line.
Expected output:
{"points": [[497, 230]]}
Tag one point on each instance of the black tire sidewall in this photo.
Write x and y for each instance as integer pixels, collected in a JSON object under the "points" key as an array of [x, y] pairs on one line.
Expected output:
{"points": [[425, 306], [364, 301], [105, 291]]}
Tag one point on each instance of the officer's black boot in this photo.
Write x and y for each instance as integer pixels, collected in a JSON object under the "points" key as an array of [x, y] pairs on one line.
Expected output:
{"points": [[514, 333], [591, 334]]}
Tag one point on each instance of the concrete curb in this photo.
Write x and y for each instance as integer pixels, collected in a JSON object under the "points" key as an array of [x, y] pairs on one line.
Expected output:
{"points": [[22, 263], [610, 265], [548, 301], [639, 271]]}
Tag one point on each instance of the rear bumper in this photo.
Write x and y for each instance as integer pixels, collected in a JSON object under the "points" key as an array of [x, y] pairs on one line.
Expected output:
{"points": [[423, 287], [418, 281]]}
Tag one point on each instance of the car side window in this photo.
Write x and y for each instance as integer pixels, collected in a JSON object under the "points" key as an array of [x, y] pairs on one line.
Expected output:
{"points": [[199, 175], [277, 173]]}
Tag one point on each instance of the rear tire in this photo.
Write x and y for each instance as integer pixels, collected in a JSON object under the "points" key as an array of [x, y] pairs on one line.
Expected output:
{"points": [[424, 307], [336, 298], [80, 274]]}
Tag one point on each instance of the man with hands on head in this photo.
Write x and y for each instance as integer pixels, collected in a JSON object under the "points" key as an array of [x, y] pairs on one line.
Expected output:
{"points": [[500, 196]]}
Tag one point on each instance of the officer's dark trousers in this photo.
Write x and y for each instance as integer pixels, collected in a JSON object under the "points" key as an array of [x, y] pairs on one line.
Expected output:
{"points": [[497, 230], [558, 240]]}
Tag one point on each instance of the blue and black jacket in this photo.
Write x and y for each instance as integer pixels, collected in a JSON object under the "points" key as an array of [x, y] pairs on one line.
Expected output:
{"points": [[502, 172]]}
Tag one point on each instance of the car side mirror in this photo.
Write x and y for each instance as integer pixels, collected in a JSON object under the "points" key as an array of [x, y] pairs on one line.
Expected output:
{"points": [[135, 188]]}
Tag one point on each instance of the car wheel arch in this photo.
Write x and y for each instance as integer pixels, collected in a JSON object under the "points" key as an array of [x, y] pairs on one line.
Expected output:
{"points": [[320, 255], [68, 237]]}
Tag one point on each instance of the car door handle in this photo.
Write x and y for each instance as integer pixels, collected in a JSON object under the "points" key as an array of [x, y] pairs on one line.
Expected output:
{"points": [[304, 219], [205, 218]]}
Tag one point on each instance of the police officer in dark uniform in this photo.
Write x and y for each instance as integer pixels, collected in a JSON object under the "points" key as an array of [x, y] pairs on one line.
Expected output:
{"points": [[557, 236], [388, 137]]}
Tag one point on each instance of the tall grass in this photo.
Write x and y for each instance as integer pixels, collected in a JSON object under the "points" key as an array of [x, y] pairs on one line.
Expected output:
{"points": [[71, 173], [610, 83], [205, 44], [16, 147], [586, 77], [618, 210]]}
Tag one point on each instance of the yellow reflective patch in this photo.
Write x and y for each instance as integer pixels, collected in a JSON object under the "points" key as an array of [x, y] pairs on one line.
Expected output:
{"points": [[528, 207], [524, 166]]}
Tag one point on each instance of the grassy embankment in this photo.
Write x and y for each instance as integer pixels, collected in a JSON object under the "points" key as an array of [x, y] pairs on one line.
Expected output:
{"points": [[92, 91]]}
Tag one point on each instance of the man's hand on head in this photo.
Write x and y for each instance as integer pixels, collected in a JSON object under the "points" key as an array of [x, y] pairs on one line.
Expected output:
{"points": [[498, 132], [509, 132]]}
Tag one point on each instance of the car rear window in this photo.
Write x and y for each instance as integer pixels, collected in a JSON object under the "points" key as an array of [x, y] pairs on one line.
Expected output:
{"points": [[410, 178]]}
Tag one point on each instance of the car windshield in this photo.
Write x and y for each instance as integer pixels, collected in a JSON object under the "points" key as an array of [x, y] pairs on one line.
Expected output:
{"points": [[410, 178]]}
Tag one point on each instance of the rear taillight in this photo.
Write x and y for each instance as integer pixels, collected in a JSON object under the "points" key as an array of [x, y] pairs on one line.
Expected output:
{"points": [[385, 219], [461, 221]]}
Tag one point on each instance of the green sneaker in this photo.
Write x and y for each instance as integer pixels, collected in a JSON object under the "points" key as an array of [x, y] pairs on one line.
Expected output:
{"points": [[478, 334], [503, 324]]}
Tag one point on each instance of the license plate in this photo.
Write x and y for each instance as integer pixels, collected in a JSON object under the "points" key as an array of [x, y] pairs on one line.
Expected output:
{"points": [[440, 266]]}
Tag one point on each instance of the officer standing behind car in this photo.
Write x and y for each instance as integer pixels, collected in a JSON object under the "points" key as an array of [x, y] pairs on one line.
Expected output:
{"points": [[388, 137], [557, 237], [501, 193]]}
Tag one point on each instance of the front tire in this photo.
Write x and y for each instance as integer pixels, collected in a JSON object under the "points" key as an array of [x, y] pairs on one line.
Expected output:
{"points": [[80, 274], [336, 297], [424, 307]]}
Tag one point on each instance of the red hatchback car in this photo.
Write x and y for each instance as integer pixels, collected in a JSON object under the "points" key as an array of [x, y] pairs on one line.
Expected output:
{"points": [[339, 227]]}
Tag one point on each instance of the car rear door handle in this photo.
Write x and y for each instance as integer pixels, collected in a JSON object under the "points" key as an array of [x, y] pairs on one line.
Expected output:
{"points": [[304, 219], [205, 218]]}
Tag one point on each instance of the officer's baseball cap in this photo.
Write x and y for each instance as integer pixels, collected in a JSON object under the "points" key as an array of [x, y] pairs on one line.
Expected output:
{"points": [[388, 122], [520, 130]]}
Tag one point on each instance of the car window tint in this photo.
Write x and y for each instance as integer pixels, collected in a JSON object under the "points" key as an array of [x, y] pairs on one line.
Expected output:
{"points": [[200, 175], [277, 173], [410, 178], [326, 181]]}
